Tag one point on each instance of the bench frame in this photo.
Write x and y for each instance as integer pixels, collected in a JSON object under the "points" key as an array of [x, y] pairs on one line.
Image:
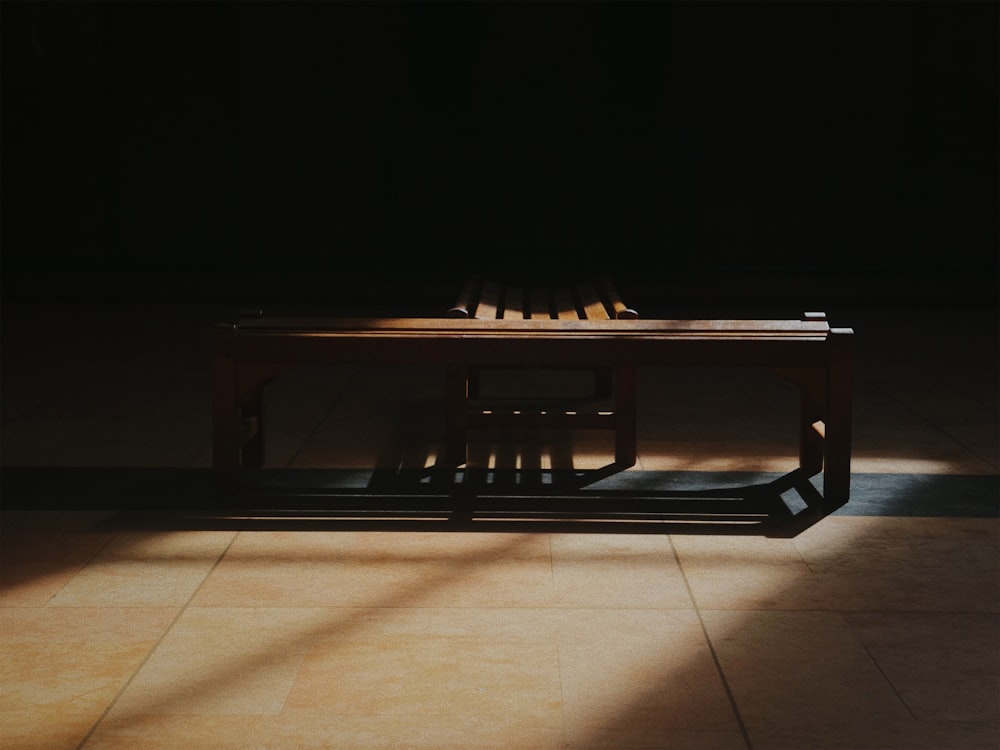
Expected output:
{"points": [[808, 353]]}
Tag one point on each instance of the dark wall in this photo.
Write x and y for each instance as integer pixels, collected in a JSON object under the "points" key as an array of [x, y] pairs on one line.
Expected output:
{"points": [[211, 150]]}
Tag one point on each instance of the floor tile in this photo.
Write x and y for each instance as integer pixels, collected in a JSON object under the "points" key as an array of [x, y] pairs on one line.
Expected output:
{"points": [[233, 660], [801, 679], [307, 730], [349, 569], [145, 569], [912, 564], [480, 680], [944, 666], [39, 555], [746, 573], [649, 686], [453, 569], [848, 563], [60, 668], [616, 570]]}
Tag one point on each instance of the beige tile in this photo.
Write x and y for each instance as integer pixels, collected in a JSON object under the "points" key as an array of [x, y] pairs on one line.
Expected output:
{"points": [[34, 584], [379, 569], [60, 668], [445, 679], [505, 624], [801, 679], [568, 571], [146, 569], [378, 678], [746, 572], [237, 660], [53, 625], [944, 666], [307, 730], [844, 563], [59, 726], [616, 570], [893, 733], [653, 736], [899, 563], [453, 569], [646, 679], [824, 543], [536, 667], [453, 678], [41, 553]]}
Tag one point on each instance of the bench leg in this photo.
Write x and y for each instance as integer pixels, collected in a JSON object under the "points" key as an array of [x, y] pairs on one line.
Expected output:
{"points": [[837, 473], [457, 427], [626, 397]]}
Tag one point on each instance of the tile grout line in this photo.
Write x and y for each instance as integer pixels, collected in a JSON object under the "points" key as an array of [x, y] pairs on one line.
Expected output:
{"points": [[881, 671], [562, 696], [183, 608], [711, 649], [559, 655]]}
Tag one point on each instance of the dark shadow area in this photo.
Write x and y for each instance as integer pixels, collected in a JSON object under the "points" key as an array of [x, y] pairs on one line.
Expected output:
{"points": [[558, 500], [603, 500], [731, 152]]}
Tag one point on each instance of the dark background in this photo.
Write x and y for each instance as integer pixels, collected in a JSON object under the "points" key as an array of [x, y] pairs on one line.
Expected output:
{"points": [[799, 153]]}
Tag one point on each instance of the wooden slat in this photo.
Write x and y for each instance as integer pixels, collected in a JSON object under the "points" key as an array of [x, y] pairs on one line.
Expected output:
{"points": [[597, 301], [538, 304], [466, 301], [614, 302], [565, 307], [489, 301], [513, 308], [590, 302]]}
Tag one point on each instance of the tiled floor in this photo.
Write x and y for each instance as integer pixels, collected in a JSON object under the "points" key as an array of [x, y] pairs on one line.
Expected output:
{"points": [[875, 627]]}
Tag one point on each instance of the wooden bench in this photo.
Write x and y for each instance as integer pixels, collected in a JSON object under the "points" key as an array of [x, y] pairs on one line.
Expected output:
{"points": [[807, 352], [613, 405]]}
